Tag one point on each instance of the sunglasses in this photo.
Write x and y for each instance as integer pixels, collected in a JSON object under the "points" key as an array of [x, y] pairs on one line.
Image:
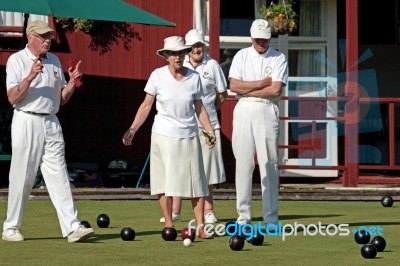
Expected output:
{"points": [[44, 37]]}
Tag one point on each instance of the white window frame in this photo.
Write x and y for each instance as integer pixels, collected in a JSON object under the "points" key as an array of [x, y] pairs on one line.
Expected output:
{"points": [[328, 46]]}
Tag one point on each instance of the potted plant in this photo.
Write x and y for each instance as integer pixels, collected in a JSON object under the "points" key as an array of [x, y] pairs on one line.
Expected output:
{"points": [[280, 16]]}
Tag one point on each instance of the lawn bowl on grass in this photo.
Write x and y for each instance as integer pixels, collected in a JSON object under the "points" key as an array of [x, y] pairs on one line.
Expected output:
{"points": [[45, 246]]}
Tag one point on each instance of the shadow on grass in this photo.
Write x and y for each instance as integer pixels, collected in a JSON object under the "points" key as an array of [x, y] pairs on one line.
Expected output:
{"points": [[287, 217], [93, 239], [294, 217], [41, 238], [117, 236], [147, 233], [373, 223]]}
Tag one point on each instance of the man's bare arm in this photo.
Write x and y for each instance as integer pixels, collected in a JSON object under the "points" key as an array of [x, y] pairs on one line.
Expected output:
{"points": [[243, 87], [273, 90]]}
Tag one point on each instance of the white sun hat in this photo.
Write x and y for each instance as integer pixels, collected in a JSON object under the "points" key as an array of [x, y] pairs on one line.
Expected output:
{"points": [[195, 36], [174, 44]]}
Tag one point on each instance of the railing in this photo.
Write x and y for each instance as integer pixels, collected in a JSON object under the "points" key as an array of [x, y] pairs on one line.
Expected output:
{"points": [[390, 102], [6, 30]]}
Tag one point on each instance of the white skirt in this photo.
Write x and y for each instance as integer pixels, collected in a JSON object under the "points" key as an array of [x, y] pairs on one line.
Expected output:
{"points": [[212, 159], [176, 167]]}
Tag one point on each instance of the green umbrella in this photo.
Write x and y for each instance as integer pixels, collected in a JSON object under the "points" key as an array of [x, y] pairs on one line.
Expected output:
{"points": [[107, 10]]}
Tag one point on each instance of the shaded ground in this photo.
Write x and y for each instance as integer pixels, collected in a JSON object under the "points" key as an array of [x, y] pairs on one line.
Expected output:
{"points": [[320, 192]]}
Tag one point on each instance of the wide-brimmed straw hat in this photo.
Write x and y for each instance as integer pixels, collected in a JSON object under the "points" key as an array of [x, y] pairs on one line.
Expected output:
{"points": [[174, 44]]}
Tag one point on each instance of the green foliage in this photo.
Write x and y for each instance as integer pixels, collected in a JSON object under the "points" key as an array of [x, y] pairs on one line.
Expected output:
{"points": [[281, 10], [104, 34], [77, 24]]}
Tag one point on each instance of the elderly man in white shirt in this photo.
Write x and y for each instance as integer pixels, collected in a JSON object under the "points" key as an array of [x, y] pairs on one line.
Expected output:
{"points": [[36, 87], [257, 75]]}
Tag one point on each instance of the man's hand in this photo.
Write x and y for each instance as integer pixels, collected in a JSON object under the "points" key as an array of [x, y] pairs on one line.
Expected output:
{"points": [[74, 73], [37, 67]]}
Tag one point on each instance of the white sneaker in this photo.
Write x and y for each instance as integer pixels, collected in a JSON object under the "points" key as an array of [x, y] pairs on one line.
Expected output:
{"points": [[175, 218], [12, 234], [210, 218], [80, 234], [243, 221]]}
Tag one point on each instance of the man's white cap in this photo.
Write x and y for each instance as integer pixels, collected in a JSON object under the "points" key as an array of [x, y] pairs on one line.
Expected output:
{"points": [[260, 29]]}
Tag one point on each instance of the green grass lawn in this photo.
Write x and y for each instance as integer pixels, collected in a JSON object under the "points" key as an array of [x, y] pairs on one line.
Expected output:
{"points": [[44, 245]]}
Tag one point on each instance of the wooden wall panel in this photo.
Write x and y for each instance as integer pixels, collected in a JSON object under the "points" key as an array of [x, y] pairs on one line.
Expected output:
{"points": [[97, 116], [134, 62]]}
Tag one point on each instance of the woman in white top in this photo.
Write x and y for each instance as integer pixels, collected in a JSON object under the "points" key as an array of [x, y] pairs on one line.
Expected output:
{"points": [[214, 94], [176, 164]]}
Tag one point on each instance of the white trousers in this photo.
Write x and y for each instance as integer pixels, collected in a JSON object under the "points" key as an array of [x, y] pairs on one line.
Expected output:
{"points": [[38, 141], [255, 132]]}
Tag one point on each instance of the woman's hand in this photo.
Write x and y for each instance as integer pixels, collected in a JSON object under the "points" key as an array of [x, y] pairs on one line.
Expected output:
{"points": [[210, 138], [128, 136]]}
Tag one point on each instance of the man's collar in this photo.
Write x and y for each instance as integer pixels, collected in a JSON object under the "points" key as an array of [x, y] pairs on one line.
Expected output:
{"points": [[31, 56], [255, 53]]}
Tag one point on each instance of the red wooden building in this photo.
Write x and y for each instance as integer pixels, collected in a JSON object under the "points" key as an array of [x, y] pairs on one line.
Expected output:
{"points": [[116, 70], [98, 115]]}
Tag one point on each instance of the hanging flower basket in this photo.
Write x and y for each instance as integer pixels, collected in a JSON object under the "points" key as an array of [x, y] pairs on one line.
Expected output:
{"points": [[280, 16], [281, 25]]}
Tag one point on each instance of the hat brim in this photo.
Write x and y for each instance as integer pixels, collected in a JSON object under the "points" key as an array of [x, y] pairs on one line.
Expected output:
{"points": [[205, 43], [44, 31], [261, 35], [186, 48]]}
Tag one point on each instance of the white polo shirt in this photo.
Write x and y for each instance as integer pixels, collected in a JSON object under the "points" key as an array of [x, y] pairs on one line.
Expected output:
{"points": [[43, 95], [248, 65], [176, 116], [213, 81]]}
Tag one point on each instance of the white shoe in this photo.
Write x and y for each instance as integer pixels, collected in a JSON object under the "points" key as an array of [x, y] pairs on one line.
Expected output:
{"points": [[210, 218], [80, 234], [175, 218], [242, 221], [12, 234]]}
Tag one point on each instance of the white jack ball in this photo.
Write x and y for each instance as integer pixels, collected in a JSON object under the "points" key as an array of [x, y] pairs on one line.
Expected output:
{"points": [[187, 242]]}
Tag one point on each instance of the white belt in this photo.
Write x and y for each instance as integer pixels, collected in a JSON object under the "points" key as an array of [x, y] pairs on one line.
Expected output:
{"points": [[256, 100]]}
